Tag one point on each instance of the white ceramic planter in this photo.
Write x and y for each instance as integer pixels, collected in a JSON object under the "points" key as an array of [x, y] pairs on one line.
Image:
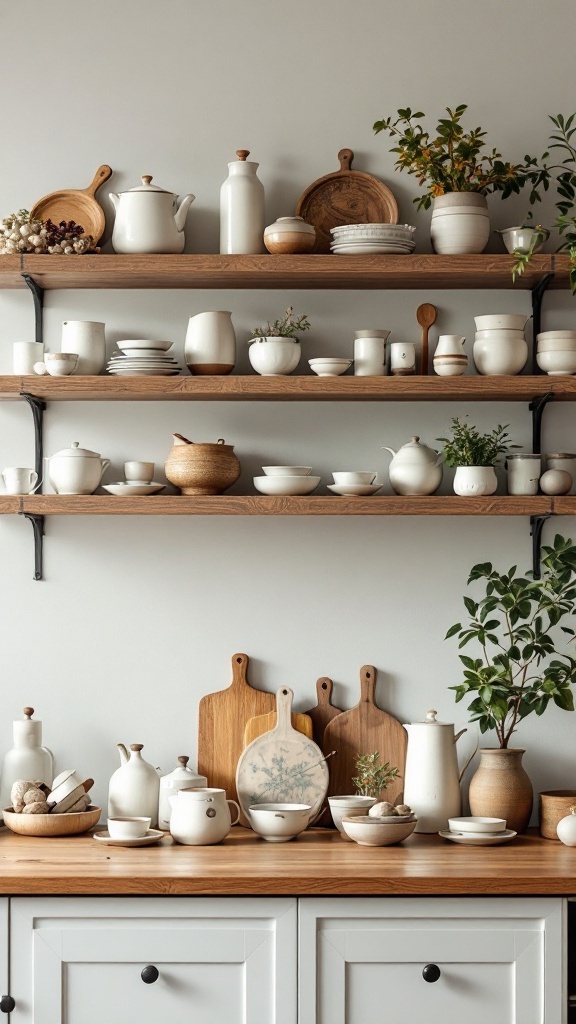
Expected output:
{"points": [[500, 358], [210, 346], [274, 357], [460, 223], [475, 481]]}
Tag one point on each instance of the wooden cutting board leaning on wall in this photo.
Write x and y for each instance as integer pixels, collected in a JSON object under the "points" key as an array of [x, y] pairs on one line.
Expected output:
{"points": [[323, 712], [363, 730]]}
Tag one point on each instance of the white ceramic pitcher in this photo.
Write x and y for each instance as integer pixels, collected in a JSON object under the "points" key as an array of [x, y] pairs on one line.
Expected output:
{"points": [[450, 345], [431, 777], [210, 346], [201, 816]]}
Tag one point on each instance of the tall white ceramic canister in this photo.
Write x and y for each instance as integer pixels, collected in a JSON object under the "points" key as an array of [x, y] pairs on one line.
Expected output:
{"points": [[181, 778], [370, 353], [134, 787], [565, 461], [27, 759], [87, 339], [431, 778], [524, 471], [242, 219], [210, 345]]}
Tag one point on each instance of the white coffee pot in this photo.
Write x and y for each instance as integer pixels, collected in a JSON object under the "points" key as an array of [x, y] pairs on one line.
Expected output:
{"points": [[76, 470], [149, 219], [431, 776], [415, 468], [181, 778], [134, 786], [201, 817]]}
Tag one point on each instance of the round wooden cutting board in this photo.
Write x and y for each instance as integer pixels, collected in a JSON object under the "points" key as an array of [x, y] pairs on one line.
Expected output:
{"points": [[345, 197], [75, 204]]}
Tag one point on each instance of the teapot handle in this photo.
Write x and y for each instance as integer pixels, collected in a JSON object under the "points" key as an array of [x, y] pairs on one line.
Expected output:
{"points": [[237, 811], [472, 755]]}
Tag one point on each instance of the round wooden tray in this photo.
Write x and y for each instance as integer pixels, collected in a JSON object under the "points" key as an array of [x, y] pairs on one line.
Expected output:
{"points": [[345, 197], [79, 205], [44, 825]]}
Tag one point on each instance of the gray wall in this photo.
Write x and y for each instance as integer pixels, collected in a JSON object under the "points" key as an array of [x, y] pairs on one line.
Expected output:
{"points": [[139, 617]]}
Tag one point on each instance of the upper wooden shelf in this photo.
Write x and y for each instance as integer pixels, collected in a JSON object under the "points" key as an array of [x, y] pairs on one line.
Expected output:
{"points": [[291, 388], [420, 270]]}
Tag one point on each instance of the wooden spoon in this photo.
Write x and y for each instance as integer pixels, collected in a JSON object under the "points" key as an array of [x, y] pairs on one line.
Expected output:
{"points": [[426, 315]]}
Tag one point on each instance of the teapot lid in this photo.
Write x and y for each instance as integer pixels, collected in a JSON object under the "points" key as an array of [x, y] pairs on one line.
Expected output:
{"points": [[147, 187], [431, 719], [75, 449], [415, 447], [183, 771]]}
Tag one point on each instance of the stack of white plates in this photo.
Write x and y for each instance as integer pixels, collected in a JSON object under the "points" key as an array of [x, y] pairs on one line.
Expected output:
{"points": [[143, 358], [355, 239]]}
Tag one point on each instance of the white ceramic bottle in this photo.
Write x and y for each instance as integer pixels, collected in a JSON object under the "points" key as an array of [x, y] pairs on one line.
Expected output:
{"points": [[134, 786], [87, 339], [27, 759], [181, 778], [242, 207]]}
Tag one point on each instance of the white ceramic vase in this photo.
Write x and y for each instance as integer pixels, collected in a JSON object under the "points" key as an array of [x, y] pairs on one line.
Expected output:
{"points": [[87, 339], [242, 207], [27, 759], [475, 481], [210, 346], [274, 357], [460, 223]]}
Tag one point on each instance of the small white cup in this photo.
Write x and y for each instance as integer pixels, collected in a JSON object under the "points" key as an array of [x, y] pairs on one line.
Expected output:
{"points": [[18, 480], [128, 828], [354, 478], [402, 358], [138, 472], [60, 364], [24, 355]]}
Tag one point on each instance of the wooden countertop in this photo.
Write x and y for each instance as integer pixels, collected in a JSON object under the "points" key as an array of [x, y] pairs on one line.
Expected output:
{"points": [[317, 863]]}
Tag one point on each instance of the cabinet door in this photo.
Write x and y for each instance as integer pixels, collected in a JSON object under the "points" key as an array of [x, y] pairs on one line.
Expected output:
{"points": [[499, 960], [78, 960]]}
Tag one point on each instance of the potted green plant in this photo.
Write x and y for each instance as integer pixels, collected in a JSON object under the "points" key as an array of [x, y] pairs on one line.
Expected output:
{"points": [[373, 777], [520, 670], [474, 456], [275, 347], [458, 173]]}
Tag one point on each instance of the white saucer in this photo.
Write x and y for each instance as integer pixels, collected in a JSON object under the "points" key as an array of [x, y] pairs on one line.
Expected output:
{"points": [[153, 835], [354, 490], [123, 371], [135, 489], [480, 839]]}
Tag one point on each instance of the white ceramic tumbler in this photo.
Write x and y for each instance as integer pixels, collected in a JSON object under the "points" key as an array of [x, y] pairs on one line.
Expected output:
{"points": [[24, 355], [524, 471], [87, 339], [370, 353]]}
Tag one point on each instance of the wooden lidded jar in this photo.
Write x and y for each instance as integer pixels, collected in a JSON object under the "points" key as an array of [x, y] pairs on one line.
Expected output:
{"points": [[202, 468]]}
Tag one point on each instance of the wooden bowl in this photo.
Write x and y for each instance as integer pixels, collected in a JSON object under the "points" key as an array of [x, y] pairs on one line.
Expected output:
{"points": [[43, 825], [554, 805]]}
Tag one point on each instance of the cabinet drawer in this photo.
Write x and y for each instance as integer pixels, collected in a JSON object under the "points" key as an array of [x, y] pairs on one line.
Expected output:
{"points": [[497, 960], [215, 960]]}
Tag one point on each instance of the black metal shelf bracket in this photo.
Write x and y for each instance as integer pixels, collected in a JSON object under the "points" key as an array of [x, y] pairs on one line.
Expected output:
{"points": [[537, 406], [38, 530], [537, 296], [38, 296], [536, 527], [37, 407]]}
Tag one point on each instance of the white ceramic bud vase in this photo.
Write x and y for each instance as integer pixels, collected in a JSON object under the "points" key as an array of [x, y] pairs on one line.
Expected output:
{"points": [[210, 346], [460, 223], [475, 481], [242, 208]]}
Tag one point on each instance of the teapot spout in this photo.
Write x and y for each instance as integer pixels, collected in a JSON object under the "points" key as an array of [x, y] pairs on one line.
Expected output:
{"points": [[181, 212], [385, 448], [123, 753]]}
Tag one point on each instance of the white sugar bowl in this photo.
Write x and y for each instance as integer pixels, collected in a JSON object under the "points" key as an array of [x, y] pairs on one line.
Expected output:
{"points": [[566, 828]]}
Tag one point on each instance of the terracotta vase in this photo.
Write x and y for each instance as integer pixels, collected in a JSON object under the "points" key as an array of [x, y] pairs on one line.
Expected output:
{"points": [[501, 788]]}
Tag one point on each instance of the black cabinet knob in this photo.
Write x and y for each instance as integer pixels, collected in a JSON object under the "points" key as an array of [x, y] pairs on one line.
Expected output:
{"points": [[150, 974], [7, 1004], [431, 972]]}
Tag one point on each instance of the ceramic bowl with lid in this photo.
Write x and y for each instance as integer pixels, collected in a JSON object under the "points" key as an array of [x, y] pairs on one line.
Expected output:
{"points": [[290, 235]]}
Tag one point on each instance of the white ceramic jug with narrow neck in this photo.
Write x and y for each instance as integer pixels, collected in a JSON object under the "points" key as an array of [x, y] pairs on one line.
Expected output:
{"points": [[27, 759], [242, 218], [134, 787], [431, 778]]}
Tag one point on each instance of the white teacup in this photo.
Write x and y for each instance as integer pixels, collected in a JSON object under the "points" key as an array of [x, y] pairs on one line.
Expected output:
{"points": [[128, 828], [354, 478], [138, 472], [60, 364], [18, 480]]}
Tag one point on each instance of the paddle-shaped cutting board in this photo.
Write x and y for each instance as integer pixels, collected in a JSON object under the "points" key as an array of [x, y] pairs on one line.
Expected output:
{"points": [[324, 711], [363, 730], [283, 766], [222, 718], [264, 723]]}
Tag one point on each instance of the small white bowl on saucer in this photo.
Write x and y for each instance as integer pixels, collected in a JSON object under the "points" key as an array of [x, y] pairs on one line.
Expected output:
{"points": [[287, 470], [329, 366], [355, 477], [286, 485], [477, 825], [128, 827]]}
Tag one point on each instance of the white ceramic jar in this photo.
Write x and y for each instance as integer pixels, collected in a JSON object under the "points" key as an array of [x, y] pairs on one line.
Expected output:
{"points": [[274, 357], [76, 470], [566, 828], [242, 207], [149, 219], [27, 759], [565, 461], [475, 481], [87, 339], [523, 473], [460, 223], [181, 778], [201, 817], [370, 353], [134, 787], [289, 235], [210, 345]]}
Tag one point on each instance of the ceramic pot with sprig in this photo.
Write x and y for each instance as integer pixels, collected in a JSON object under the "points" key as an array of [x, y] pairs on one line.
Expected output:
{"points": [[474, 456], [275, 348]]}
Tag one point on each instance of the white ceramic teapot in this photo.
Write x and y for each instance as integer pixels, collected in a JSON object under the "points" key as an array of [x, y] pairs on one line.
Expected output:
{"points": [[149, 219], [431, 777], [181, 778], [134, 787], [76, 470], [201, 817], [415, 468]]}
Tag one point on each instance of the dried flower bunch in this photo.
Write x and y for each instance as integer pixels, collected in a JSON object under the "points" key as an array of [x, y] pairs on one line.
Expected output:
{"points": [[373, 778], [468, 447], [20, 234], [287, 326]]}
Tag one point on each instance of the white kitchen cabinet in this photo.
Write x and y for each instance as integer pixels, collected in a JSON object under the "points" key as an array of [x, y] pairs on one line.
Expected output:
{"points": [[498, 960], [75, 960]]}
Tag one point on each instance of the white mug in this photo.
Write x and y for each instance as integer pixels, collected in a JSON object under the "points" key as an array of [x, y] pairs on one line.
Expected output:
{"points": [[24, 355], [402, 358], [138, 472], [18, 480]]}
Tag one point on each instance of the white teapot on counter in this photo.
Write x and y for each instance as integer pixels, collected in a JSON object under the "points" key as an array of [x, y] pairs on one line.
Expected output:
{"points": [[149, 219], [415, 468], [76, 470], [201, 817]]}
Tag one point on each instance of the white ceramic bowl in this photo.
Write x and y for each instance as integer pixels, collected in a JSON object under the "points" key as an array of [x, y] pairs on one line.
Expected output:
{"points": [[521, 238], [557, 363], [274, 357], [278, 823], [470, 824], [285, 485], [556, 345], [144, 343], [509, 321], [64, 784], [498, 333], [352, 805], [551, 335], [329, 366], [368, 831], [287, 470], [128, 828], [60, 364], [494, 359], [355, 477]]}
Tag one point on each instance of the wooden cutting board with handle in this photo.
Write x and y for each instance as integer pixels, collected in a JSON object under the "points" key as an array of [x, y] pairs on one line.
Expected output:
{"points": [[222, 718], [324, 711], [77, 204], [363, 730], [264, 723]]}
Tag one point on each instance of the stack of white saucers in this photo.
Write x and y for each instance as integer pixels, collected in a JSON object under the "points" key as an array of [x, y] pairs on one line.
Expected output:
{"points": [[355, 239], [471, 831], [556, 352], [285, 480], [143, 358]]}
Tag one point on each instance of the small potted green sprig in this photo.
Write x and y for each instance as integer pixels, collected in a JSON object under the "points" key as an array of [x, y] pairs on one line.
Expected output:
{"points": [[474, 456], [275, 347]]}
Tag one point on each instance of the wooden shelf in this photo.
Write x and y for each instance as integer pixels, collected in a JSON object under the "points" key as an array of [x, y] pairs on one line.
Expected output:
{"points": [[420, 270], [291, 388]]}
